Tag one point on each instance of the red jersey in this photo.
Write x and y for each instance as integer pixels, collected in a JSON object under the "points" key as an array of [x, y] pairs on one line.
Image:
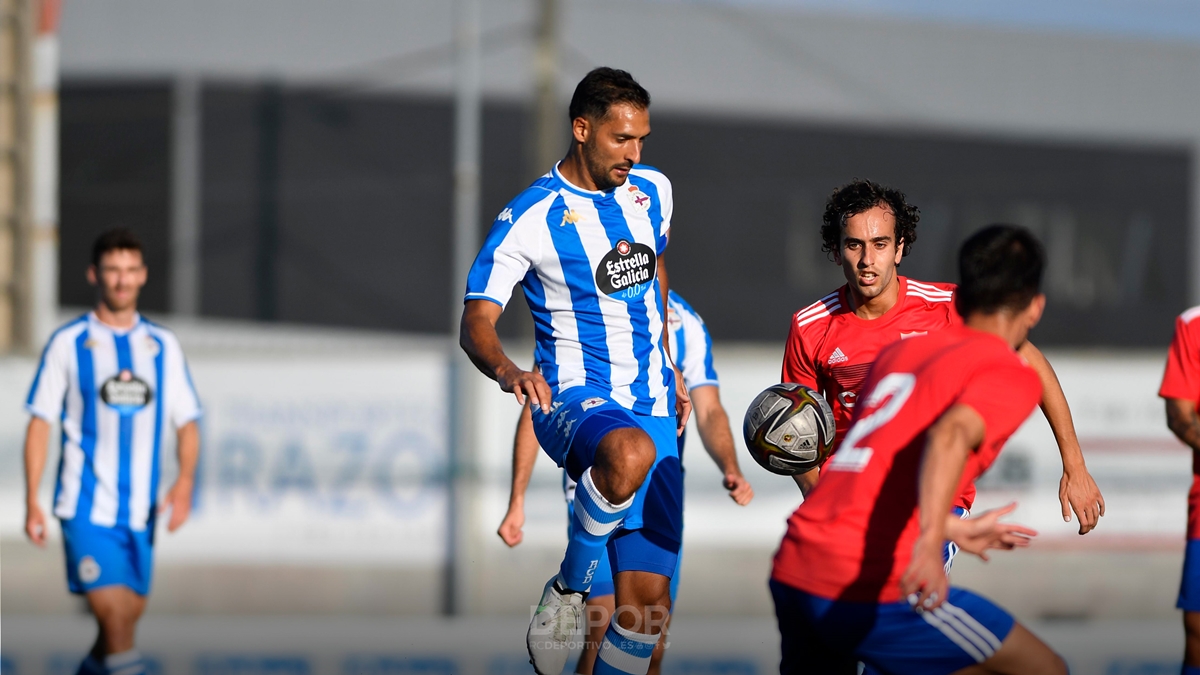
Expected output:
{"points": [[853, 536], [1182, 381], [830, 348]]}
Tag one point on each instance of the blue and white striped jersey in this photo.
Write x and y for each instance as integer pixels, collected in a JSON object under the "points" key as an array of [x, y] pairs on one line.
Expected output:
{"points": [[587, 262], [113, 390], [691, 345]]}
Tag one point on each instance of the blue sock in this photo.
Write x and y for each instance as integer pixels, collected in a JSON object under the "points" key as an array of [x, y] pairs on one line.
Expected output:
{"points": [[592, 522], [125, 663], [1191, 670], [624, 652]]}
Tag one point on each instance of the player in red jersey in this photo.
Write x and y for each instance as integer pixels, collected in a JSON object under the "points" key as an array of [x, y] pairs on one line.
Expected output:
{"points": [[859, 575], [1181, 389], [868, 229]]}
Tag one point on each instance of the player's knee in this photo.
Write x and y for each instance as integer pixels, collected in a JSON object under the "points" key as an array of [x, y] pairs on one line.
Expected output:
{"points": [[625, 456]]}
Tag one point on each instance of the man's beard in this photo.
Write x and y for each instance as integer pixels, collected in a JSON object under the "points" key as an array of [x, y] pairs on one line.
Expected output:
{"points": [[599, 172]]}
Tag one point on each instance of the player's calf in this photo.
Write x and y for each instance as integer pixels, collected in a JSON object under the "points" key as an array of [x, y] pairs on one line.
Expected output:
{"points": [[1191, 645], [642, 611]]}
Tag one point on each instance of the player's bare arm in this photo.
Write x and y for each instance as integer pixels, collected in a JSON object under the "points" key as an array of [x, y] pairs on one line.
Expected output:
{"points": [[525, 449], [948, 444], [984, 532], [179, 497], [683, 401], [713, 423], [1184, 421], [807, 481], [37, 435], [1076, 490], [478, 338]]}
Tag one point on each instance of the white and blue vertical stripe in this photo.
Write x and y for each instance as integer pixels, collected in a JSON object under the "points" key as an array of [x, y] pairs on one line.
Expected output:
{"points": [[109, 468], [551, 240], [691, 344]]}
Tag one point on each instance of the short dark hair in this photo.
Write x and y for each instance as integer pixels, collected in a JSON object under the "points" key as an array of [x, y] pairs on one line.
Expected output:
{"points": [[861, 195], [116, 239], [999, 267], [602, 88]]}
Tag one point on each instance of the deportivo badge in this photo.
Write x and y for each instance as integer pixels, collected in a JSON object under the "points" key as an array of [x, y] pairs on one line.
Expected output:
{"points": [[592, 403], [638, 199]]}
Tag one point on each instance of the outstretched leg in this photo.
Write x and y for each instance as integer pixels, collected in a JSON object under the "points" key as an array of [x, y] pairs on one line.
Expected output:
{"points": [[1021, 653]]}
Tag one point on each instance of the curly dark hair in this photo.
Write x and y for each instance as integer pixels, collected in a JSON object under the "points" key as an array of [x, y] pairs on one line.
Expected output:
{"points": [[861, 195]]}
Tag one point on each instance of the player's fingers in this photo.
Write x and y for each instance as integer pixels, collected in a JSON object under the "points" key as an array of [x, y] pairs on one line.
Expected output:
{"points": [[1100, 499], [1006, 509], [519, 394], [545, 396], [1065, 503]]}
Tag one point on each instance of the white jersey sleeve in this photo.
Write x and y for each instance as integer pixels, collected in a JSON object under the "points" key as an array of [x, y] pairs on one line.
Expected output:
{"points": [[696, 361], [50, 384], [512, 247], [182, 402]]}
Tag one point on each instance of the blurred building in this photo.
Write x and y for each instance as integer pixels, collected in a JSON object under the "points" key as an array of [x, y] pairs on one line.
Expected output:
{"points": [[315, 180]]}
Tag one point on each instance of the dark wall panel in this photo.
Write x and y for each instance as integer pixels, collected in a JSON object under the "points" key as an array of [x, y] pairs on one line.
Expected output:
{"points": [[331, 208], [113, 155]]}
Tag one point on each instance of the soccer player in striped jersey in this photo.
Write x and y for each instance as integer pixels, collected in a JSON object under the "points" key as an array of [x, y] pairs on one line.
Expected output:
{"points": [[868, 229], [114, 380], [859, 575], [691, 346], [586, 243], [1181, 389]]}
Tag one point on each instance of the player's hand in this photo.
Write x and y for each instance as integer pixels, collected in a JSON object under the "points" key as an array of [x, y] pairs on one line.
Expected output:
{"points": [[924, 582], [524, 383], [739, 488], [178, 502], [985, 531], [683, 404], [35, 524], [1077, 491], [510, 527]]}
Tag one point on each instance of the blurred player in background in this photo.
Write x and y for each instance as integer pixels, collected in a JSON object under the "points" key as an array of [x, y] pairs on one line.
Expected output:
{"points": [[1181, 389], [691, 346], [586, 242], [868, 229], [859, 575], [114, 380]]}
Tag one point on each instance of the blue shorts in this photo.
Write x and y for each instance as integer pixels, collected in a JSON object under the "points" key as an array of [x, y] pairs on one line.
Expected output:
{"points": [[100, 556], [1189, 588], [650, 536], [828, 637]]}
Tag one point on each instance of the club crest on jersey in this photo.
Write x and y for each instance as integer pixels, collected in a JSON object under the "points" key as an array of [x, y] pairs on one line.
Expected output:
{"points": [[626, 271], [125, 392], [640, 200], [89, 570], [592, 402], [152, 346], [674, 321], [915, 333]]}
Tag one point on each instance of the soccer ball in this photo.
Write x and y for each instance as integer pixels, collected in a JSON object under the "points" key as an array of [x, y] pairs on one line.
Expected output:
{"points": [[789, 429]]}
